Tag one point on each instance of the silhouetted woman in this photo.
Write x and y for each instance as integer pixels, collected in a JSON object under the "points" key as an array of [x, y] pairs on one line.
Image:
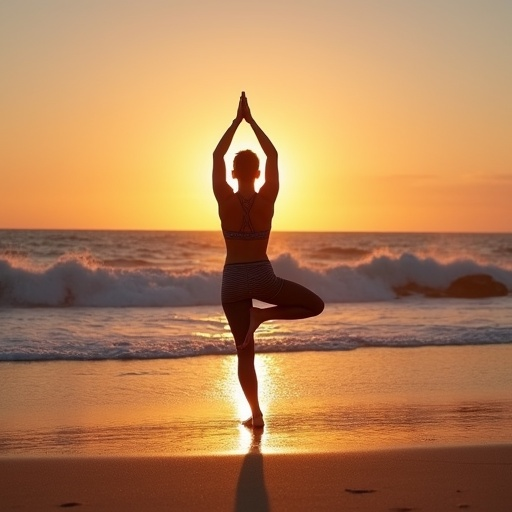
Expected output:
{"points": [[246, 219]]}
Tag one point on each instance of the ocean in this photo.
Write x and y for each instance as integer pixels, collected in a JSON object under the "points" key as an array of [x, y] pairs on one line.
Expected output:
{"points": [[117, 295], [115, 343]]}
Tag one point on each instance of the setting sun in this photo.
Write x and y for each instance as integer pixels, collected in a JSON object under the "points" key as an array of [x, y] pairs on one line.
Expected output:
{"points": [[111, 114]]}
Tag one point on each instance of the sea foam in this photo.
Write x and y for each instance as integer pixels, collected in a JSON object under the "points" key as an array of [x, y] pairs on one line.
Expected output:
{"points": [[79, 281]]}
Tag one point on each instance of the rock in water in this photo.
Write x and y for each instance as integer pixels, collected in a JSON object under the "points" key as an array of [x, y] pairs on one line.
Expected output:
{"points": [[476, 286]]}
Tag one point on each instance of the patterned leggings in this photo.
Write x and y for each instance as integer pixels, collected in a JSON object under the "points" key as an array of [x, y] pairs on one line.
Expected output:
{"points": [[253, 280]]}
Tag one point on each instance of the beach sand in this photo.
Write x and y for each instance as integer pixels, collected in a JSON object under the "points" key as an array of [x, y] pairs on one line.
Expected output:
{"points": [[431, 479], [371, 429]]}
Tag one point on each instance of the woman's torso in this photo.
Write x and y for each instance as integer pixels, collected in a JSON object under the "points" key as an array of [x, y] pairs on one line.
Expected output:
{"points": [[246, 234]]}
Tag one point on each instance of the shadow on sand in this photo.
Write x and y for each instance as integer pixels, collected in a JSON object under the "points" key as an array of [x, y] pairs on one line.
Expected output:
{"points": [[251, 493]]}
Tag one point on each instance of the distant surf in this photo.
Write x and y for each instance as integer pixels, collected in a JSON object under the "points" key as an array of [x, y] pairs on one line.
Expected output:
{"points": [[80, 281], [96, 295]]}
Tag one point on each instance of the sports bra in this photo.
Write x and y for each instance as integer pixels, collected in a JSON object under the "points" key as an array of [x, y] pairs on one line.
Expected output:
{"points": [[246, 231]]}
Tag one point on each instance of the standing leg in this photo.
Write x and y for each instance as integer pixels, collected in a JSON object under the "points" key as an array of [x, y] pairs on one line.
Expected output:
{"points": [[294, 301], [238, 316]]}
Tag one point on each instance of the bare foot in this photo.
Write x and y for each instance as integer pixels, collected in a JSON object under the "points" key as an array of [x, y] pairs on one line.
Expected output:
{"points": [[257, 422], [249, 339], [256, 318], [254, 422]]}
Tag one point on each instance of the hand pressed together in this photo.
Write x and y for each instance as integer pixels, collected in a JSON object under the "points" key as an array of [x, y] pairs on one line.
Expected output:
{"points": [[243, 112]]}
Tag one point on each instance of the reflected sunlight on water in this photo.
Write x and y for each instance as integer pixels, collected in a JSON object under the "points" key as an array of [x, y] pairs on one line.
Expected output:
{"points": [[312, 402]]}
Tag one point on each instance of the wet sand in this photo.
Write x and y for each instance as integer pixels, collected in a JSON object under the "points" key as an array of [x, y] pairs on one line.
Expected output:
{"points": [[318, 401], [372, 429]]}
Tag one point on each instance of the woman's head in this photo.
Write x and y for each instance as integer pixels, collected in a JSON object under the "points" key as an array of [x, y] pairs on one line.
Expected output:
{"points": [[246, 166]]}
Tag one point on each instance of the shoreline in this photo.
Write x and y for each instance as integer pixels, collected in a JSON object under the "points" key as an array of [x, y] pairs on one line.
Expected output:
{"points": [[313, 402], [368, 430], [440, 479]]}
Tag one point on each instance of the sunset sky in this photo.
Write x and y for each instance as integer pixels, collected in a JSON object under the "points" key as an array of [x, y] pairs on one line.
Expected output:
{"points": [[387, 115]]}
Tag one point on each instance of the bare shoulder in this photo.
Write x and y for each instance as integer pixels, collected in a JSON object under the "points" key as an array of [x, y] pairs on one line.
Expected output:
{"points": [[226, 197], [223, 192], [268, 192], [265, 198]]}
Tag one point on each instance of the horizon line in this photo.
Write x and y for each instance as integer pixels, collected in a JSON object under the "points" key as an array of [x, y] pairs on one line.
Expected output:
{"points": [[327, 231]]}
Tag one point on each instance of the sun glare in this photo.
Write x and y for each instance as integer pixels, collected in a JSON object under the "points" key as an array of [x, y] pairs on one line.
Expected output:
{"points": [[264, 386], [230, 155]]}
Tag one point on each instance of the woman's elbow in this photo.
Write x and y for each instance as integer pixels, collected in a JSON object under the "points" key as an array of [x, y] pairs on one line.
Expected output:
{"points": [[272, 153]]}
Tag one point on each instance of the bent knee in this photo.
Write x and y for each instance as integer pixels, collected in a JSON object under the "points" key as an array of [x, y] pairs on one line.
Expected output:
{"points": [[318, 306]]}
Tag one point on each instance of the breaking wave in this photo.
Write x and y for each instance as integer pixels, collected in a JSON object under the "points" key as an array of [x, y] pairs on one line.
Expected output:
{"points": [[81, 281]]}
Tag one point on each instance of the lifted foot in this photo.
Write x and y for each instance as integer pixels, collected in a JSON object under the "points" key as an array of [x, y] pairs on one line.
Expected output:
{"points": [[256, 319], [249, 340]]}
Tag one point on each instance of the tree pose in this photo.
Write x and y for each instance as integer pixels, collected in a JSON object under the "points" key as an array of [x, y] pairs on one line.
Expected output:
{"points": [[246, 219]]}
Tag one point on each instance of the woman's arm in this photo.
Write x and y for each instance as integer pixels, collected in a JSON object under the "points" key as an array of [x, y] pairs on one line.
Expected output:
{"points": [[270, 188], [221, 189]]}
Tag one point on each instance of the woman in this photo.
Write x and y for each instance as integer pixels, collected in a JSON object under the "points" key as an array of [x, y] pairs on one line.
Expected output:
{"points": [[246, 218]]}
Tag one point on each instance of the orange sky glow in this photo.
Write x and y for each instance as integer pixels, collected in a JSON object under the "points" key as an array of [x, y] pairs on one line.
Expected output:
{"points": [[388, 116]]}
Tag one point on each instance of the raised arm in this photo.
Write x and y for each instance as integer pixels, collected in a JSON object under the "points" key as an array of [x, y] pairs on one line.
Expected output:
{"points": [[221, 189], [270, 188]]}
